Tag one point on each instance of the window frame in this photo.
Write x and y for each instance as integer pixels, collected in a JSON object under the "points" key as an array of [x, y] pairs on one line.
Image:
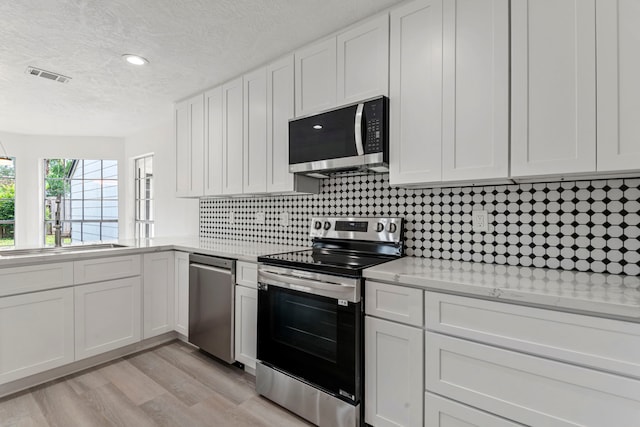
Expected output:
{"points": [[4, 222], [68, 201], [144, 228]]}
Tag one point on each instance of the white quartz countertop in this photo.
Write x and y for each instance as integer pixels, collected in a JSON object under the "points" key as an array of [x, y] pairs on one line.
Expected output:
{"points": [[243, 251], [607, 295]]}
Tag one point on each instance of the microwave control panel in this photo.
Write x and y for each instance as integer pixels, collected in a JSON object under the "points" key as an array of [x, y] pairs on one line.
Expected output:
{"points": [[374, 114]]}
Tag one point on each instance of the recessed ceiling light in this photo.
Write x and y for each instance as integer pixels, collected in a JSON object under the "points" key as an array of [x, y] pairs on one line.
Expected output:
{"points": [[135, 59], [317, 127]]}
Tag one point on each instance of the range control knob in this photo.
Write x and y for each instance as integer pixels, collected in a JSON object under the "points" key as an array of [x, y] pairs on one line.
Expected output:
{"points": [[317, 225], [380, 227], [327, 225], [393, 228]]}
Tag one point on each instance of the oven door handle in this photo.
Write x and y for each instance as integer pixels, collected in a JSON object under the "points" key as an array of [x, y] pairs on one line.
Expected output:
{"points": [[303, 285]]}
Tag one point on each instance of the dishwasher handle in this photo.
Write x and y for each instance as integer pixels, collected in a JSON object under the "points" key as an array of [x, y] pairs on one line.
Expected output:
{"points": [[208, 267]]}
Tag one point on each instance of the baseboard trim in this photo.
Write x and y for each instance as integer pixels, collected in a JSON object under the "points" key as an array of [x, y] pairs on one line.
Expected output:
{"points": [[52, 374]]}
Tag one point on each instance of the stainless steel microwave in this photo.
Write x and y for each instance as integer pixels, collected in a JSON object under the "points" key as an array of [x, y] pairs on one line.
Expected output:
{"points": [[354, 138]]}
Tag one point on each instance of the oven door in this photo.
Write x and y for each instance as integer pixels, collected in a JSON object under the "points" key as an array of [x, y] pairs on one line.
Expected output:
{"points": [[316, 338]]}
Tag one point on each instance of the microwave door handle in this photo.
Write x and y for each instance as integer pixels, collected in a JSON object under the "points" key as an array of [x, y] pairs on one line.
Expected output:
{"points": [[357, 128]]}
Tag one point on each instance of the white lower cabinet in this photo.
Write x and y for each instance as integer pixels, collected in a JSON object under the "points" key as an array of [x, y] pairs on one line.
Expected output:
{"points": [[394, 387], [159, 293], [246, 325], [441, 412], [36, 333], [182, 293], [527, 389], [108, 315]]}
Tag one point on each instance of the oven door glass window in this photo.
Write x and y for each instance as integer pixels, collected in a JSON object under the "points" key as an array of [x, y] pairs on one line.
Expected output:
{"points": [[311, 337]]}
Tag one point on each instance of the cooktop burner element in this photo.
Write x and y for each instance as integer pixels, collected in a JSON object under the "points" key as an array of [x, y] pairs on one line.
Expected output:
{"points": [[345, 246]]}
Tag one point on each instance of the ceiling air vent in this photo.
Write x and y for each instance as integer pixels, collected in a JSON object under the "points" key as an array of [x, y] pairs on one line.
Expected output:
{"points": [[47, 75]]}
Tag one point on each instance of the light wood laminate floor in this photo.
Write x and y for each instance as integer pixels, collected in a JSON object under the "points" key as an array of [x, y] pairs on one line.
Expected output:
{"points": [[169, 385]]}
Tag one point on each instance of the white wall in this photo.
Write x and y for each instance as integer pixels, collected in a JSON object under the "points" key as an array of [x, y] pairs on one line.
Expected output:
{"points": [[173, 216], [29, 151]]}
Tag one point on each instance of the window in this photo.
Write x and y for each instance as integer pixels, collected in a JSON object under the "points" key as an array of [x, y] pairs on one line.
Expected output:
{"points": [[83, 194], [144, 197], [7, 202]]}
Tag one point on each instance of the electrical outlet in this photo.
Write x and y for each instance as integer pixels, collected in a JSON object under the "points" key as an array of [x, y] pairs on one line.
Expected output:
{"points": [[284, 219], [260, 218], [232, 217], [480, 221]]}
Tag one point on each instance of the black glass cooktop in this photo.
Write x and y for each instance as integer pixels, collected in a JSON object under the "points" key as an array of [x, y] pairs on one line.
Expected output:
{"points": [[347, 263]]}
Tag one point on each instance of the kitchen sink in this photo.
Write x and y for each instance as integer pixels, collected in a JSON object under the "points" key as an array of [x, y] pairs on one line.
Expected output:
{"points": [[58, 250]]}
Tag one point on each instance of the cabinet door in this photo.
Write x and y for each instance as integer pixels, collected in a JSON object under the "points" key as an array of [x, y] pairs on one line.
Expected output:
{"points": [[618, 85], [159, 293], [553, 87], [213, 142], [255, 131], [246, 325], [475, 90], [189, 126], [394, 388], [316, 77], [36, 333], [107, 316], [182, 293], [232, 143], [280, 108], [363, 61], [441, 412], [415, 90]]}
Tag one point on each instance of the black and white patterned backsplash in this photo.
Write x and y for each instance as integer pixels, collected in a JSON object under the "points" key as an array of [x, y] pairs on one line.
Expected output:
{"points": [[571, 225]]}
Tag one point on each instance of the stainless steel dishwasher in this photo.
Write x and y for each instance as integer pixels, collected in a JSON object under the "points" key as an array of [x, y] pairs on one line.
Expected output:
{"points": [[211, 305]]}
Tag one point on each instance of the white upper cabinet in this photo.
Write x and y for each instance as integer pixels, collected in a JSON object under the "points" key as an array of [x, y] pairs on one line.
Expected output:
{"points": [[255, 131], [232, 137], [449, 92], [553, 87], [189, 128], [415, 90], [475, 133], [347, 68], [280, 108], [213, 142], [316, 77], [618, 68], [363, 61]]}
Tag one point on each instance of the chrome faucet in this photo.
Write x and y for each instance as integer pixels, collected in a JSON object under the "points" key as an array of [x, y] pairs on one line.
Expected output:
{"points": [[57, 227]]}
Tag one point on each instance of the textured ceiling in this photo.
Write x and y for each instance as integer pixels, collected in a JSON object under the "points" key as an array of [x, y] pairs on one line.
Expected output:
{"points": [[191, 45]]}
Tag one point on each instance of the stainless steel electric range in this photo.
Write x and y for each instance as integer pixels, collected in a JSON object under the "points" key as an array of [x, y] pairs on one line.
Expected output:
{"points": [[310, 318]]}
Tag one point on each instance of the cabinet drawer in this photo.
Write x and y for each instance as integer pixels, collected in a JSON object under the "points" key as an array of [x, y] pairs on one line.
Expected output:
{"points": [[247, 274], [528, 389], [397, 303], [97, 270], [606, 344], [20, 280], [441, 412]]}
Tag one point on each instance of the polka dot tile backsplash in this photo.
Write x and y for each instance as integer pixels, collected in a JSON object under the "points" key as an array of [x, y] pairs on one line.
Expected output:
{"points": [[571, 225]]}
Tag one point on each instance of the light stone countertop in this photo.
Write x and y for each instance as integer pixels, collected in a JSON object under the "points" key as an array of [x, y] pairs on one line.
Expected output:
{"points": [[243, 251], [606, 295]]}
